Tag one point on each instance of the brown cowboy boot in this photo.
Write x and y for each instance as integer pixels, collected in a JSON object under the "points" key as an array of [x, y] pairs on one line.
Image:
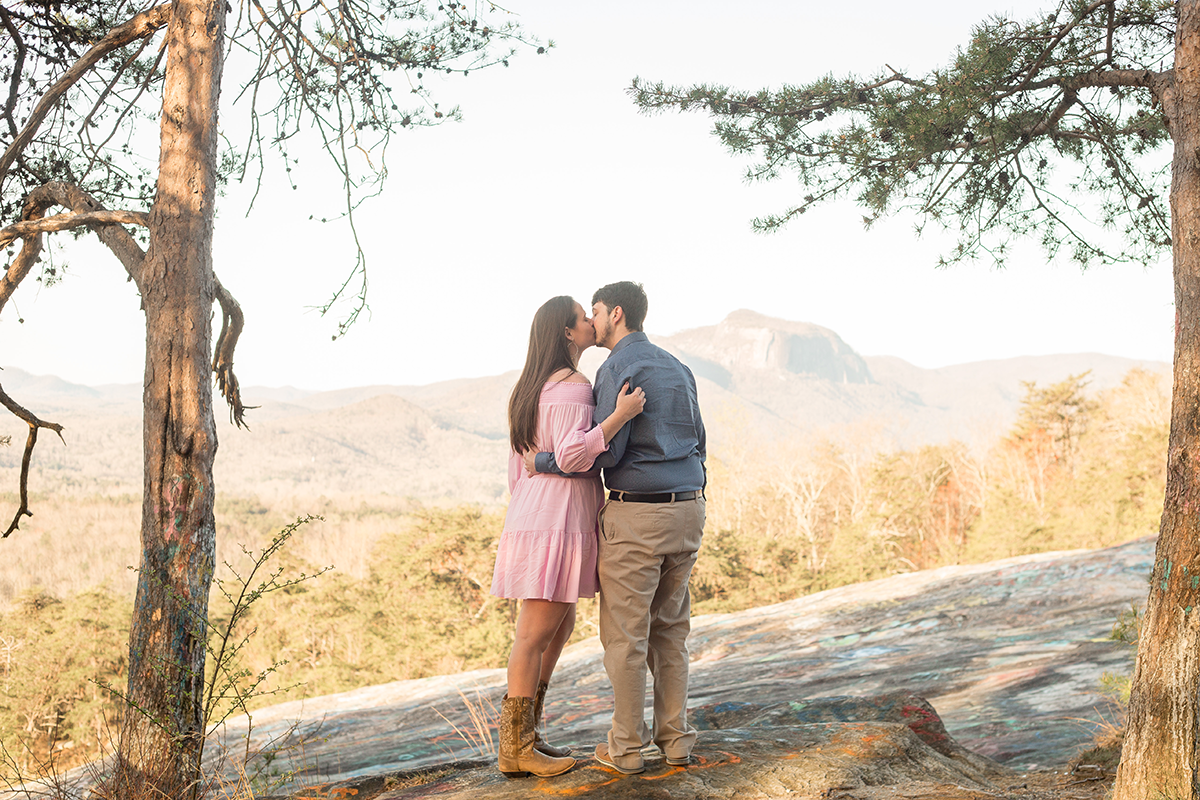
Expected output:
{"points": [[518, 757], [541, 744]]}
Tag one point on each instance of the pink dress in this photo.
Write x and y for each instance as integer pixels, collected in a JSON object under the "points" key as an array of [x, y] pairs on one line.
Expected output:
{"points": [[548, 548]]}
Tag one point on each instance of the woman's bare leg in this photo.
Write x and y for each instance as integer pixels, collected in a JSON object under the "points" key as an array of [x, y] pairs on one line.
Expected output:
{"points": [[561, 636], [537, 628]]}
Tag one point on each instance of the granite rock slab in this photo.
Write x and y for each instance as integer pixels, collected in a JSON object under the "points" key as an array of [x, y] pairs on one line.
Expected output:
{"points": [[810, 760], [1009, 653]]}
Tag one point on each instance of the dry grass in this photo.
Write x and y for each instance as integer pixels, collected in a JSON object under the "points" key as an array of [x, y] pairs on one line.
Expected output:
{"points": [[1105, 753], [480, 730]]}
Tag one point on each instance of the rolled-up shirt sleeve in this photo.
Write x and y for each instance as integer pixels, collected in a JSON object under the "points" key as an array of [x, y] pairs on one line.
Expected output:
{"points": [[544, 462]]}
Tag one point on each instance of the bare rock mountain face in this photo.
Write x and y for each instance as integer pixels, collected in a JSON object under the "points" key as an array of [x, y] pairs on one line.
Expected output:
{"points": [[778, 379], [747, 343]]}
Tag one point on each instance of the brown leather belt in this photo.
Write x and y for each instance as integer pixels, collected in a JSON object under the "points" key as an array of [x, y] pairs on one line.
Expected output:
{"points": [[665, 497]]}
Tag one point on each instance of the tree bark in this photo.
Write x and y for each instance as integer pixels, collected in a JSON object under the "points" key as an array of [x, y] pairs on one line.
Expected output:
{"points": [[162, 733], [1159, 758]]}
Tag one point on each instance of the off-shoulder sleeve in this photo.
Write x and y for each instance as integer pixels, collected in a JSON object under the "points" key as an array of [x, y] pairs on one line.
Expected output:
{"points": [[576, 442], [516, 467]]}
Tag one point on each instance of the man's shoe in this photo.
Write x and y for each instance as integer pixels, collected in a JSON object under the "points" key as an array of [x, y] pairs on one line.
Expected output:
{"points": [[603, 757], [682, 761]]}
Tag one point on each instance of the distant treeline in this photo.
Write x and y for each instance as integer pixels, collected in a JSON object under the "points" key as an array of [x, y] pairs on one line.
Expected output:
{"points": [[1075, 471]]}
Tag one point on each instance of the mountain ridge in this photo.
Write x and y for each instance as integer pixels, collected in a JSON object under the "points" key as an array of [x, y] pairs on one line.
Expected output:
{"points": [[759, 379]]}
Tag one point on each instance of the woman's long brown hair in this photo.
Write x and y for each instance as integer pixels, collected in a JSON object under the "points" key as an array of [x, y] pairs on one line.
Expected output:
{"points": [[548, 353]]}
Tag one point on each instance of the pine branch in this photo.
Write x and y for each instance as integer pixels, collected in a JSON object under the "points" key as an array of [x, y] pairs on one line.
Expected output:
{"points": [[140, 26]]}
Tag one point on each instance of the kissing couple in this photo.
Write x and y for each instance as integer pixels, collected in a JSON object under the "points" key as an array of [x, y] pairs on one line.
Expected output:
{"points": [[563, 539]]}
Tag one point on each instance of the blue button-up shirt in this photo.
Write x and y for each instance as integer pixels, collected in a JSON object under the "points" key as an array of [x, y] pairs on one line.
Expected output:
{"points": [[663, 448]]}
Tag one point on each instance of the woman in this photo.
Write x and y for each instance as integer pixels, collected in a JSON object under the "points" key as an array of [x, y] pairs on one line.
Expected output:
{"points": [[547, 553]]}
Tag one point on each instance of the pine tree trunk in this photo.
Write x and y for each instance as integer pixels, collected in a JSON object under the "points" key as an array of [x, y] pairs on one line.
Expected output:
{"points": [[162, 733], [1159, 759]]}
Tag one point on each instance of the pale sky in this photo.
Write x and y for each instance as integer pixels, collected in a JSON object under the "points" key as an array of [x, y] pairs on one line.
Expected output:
{"points": [[554, 184]]}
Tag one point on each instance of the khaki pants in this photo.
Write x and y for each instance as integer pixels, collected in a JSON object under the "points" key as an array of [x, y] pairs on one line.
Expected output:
{"points": [[646, 555]]}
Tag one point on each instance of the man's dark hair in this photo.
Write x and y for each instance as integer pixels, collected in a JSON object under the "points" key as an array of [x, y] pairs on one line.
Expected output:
{"points": [[630, 296]]}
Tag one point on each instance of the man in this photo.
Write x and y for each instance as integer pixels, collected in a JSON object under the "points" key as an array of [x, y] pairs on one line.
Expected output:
{"points": [[650, 531]]}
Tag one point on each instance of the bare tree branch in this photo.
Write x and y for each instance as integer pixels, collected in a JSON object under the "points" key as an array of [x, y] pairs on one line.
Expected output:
{"points": [[34, 423], [1119, 77], [69, 220], [14, 84], [115, 237], [140, 26], [86, 211], [31, 249]]}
